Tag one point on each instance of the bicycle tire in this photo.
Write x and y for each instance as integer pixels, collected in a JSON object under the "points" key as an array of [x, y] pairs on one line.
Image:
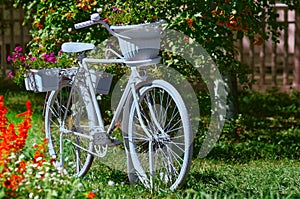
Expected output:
{"points": [[168, 106], [77, 115]]}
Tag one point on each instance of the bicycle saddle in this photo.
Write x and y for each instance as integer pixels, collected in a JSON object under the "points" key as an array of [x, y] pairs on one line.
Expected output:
{"points": [[76, 47]]}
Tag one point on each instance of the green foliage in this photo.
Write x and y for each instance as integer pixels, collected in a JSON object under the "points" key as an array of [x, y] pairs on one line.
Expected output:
{"points": [[216, 25], [268, 127]]}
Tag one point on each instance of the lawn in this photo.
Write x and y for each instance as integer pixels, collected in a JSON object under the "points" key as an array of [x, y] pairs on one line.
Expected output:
{"points": [[257, 155]]}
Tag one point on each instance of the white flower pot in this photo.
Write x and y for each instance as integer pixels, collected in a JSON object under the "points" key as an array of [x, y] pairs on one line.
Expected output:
{"points": [[42, 80], [139, 42]]}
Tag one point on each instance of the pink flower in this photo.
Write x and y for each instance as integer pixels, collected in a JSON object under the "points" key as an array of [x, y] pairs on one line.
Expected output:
{"points": [[9, 58], [18, 48], [31, 58], [22, 58], [117, 9], [50, 58], [10, 74]]}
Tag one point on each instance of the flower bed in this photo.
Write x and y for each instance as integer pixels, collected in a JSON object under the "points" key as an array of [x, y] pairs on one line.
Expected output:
{"points": [[27, 173]]}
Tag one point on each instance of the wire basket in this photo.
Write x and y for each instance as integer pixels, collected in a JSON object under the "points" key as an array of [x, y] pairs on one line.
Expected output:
{"points": [[42, 80]]}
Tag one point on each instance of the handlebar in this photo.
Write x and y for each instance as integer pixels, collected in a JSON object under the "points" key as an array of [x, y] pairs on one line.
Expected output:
{"points": [[95, 18], [84, 24]]}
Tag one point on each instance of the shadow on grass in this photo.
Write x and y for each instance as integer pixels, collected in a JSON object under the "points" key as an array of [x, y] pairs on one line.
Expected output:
{"points": [[7, 85], [15, 96]]}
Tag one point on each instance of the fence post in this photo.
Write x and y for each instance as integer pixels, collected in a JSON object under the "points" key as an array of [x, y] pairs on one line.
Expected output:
{"points": [[262, 75], [2, 42], [285, 75], [273, 65], [296, 80], [251, 57]]}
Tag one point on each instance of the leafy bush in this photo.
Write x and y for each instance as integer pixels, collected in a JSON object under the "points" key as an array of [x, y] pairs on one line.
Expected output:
{"points": [[216, 25], [267, 128]]}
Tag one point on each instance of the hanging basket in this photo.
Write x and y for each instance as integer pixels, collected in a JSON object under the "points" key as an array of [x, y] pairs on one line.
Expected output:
{"points": [[101, 81], [42, 80], [139, 42]]}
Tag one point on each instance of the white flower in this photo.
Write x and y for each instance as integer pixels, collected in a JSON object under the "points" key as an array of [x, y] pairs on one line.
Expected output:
{"points": [[38, 175], [99, 10], [47, 163], [31, 195], [12, 156], [41, 173], [21, 157], [39, 159], [35, 165], [111, 183]]}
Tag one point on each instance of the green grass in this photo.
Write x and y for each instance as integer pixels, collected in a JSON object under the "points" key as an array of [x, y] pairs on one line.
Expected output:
{"points": [[212, 179], [257, 155]]}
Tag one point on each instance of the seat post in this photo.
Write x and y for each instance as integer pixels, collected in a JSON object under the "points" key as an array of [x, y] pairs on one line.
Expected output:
{"points": [[80, 56]]}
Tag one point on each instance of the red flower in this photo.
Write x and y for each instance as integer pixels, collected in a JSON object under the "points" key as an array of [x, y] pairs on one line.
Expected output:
{"points": [[10, 141], [91, 194], [13, 182], [39, 26], [106, 20], [27, 113], [22, 167], [190, 21]]}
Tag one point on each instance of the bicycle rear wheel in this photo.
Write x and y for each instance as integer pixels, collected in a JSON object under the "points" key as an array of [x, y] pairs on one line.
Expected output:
{"points": [[69, 110], [160, 146]]}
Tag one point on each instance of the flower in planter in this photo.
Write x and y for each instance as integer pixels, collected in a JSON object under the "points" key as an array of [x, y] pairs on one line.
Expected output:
{"points": [[50, 58], [25, 61], [127, 14]]}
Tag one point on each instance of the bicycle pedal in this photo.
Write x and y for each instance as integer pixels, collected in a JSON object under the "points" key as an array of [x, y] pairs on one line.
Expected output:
{"points": [[102, 139]]}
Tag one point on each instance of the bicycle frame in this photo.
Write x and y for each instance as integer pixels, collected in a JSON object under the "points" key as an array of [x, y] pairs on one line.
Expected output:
{"points": [[134, 79]]}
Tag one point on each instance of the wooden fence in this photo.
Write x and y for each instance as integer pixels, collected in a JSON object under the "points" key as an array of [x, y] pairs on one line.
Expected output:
{"points": [[12, 33], [275, 65]]}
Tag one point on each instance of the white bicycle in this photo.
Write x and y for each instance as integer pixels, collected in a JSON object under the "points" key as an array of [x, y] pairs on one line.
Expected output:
{"points": [[157, 132]]}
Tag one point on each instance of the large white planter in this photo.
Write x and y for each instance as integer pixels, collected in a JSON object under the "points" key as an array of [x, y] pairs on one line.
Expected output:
{"points": [[139, 42], [42, 80]]}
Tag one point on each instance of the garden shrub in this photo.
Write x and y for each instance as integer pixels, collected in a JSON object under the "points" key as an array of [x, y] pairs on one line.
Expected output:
{"points": [[216, 25]]}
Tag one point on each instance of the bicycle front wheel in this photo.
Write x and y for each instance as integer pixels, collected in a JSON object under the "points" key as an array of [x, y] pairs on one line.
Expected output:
{"points": [[69, 110], [159, 136]]}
